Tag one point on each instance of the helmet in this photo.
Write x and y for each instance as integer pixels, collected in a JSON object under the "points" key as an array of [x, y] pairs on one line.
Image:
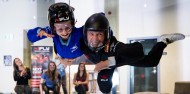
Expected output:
{"points": [[60, 12], [97, 22]]}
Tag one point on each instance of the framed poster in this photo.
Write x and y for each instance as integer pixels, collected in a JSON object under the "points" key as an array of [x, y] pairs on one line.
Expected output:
{"points": [[7, 60]]}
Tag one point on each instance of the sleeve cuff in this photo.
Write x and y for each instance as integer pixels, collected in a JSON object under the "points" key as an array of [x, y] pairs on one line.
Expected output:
{"points": [[38, 31], [112, 61]]}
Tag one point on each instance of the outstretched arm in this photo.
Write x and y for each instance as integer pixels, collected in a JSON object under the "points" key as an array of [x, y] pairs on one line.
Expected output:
{"points": [[39, 33], [74, 80], [66, 62]]}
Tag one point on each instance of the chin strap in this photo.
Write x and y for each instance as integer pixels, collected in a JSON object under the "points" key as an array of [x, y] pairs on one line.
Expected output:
{"points": [[106, 49], [95, 49]]}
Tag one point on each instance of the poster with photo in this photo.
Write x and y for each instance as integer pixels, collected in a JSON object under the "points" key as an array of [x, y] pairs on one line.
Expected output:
{"points": [[40, 56], [7, 60]]}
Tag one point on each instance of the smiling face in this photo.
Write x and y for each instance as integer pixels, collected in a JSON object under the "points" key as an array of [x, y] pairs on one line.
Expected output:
{"points": [[95, 39], [18, 62], [63, 29], [52, 66]]}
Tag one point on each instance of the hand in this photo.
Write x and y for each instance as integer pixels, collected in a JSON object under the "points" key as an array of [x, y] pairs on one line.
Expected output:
{"points": [[23, 70], [59, 83], [43, 33], [101, 65], [79, 82], [66, 62], [76, 83]]}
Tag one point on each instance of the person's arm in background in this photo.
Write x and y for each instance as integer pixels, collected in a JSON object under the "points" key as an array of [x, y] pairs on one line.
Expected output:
{"points": [[74, 79], [59, 81], [28, 74], [16, 75], [39, 33]]}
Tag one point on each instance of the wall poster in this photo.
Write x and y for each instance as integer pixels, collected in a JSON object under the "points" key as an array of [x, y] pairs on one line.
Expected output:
{"points": [[7, 60], [40, 56]]}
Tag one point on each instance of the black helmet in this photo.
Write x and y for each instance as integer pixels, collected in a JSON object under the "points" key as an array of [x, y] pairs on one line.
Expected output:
{"points": [[60, 12], [97, 22]]}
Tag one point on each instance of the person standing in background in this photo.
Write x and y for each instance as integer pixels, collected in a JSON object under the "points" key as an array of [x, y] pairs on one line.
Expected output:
{"points": [[21, 75], [81, 79], [62, 73]]}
